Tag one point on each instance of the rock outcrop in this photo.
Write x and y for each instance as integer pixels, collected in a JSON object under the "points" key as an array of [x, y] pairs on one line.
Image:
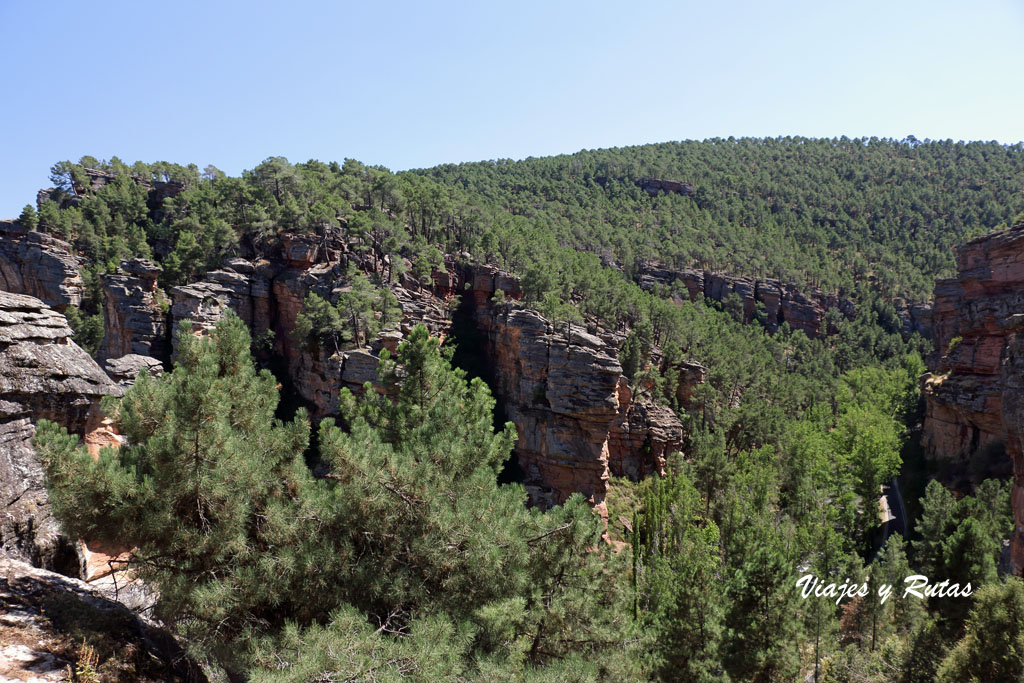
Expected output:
{"points": [[577, 419], [803, 310], [653, 186], [39, 265], [126, 369], [51, 623], [135, 322], [975, 392], [43, 374], [242, 286]]}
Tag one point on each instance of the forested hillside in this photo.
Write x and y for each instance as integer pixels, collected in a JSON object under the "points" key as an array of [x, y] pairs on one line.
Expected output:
{"points": [[399, 554], [833, 213]]}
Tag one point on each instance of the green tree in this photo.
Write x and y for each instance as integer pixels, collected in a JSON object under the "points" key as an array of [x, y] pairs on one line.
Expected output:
{"points": [[678, 592], [28, 219], [993, 647], [206, 490], [934, 526]]}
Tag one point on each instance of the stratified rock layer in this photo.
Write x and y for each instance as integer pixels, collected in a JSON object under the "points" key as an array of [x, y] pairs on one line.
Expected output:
{"points": [[38, 265], [578, 421], [43, 374], [802, 308], [973, 396], [134, 321]]}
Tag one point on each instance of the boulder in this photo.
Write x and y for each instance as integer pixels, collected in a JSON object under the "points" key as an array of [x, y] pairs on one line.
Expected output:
{"points": [[51, 624]]}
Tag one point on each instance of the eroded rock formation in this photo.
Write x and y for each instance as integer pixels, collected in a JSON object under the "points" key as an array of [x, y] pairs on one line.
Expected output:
{"points": [[802, 309], [975, 392], [38, 265], [135, 319], [43, 374], [577, 419]]}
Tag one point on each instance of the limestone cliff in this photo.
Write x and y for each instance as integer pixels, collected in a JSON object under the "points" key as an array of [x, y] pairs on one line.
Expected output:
{"points": [[43, 374], [973, 395]]}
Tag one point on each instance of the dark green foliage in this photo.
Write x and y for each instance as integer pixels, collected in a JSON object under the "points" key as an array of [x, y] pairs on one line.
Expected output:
{"points": [[29, 219], [676, 567], [88, 329], [993, 647], [205, 491], [249, 552], [962, 539], [361, 311]]}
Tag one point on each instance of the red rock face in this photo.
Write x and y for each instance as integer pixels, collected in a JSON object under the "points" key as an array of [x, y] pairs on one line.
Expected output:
{"points": [[975, 392], [563, 388]]}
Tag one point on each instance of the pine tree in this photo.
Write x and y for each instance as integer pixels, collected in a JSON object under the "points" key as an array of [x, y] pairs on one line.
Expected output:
{"points": [[29, 219], [205, 491], [675, 567], [993, 648], [935, 524]]}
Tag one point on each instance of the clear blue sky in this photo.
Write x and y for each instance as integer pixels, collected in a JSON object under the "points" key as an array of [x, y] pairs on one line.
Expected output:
{"points": [[414, 84]]}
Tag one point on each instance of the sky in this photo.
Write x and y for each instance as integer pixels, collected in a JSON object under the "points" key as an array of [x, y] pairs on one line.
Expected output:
{"points": [[415, 84]]}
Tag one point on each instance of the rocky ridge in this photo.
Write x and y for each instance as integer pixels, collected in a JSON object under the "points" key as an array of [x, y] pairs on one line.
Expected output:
{"points": [[802, 308]]}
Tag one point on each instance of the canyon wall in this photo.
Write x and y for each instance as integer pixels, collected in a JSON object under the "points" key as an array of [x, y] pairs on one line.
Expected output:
{"points": [[577, 419], [973, 395], [134, 322]]}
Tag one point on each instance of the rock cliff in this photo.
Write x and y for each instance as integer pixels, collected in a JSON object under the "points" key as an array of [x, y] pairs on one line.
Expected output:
{"points": [[973, 395], [134, 320], [39, 265], [578, 420], [43, 374], [803, 310]]}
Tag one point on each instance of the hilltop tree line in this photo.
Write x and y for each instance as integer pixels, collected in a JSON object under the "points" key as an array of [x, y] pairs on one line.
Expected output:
{"points": [[866, 218]]}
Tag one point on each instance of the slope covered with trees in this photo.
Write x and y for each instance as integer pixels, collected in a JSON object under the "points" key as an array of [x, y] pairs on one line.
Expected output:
{"points": [[406, 558]]}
